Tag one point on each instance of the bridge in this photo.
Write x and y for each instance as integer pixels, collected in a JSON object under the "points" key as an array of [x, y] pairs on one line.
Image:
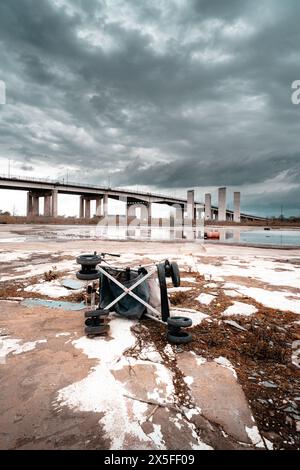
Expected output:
{"points": [[49, 189]]}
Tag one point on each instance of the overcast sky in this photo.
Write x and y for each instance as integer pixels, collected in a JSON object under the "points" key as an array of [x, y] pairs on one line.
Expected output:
{"points": [[168, 95]]}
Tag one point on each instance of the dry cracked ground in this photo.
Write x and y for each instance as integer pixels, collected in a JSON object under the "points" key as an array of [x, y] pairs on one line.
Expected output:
{"points": [[235, 386]]}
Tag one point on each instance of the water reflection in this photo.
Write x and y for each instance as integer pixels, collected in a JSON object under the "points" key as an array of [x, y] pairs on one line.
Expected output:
{"points": [[148, 233]]}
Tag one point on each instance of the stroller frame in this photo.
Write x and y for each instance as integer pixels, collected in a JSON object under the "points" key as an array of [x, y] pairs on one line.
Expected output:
{"points": [[129, 291]]}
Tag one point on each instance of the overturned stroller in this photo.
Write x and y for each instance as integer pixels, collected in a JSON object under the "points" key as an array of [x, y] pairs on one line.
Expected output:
{"points": [[132, 293]]}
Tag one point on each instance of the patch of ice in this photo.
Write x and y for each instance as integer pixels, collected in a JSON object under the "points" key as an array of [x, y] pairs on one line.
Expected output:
{"points": [[15, 346], [157, 437], [100, 392], [196, 317], [222, 361], [30, 270], [189, 279], [150, 353], [50, 289], [273, 299], [188, 380], [168, 350], [211, 285], [190, 412], [200, 360], [206, 299], [13, 255], [179, 289], [62, 334], [259, 268], [239, 308], [254, 436], [231, 293], [109, 351]]}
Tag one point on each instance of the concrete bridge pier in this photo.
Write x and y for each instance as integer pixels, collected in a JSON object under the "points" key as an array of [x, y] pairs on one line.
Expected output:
{"points": [[191, 206], [105, 205], [85, 206], [149, 208], [47, 205], [54, 203], [237, 207], [81, 207], [208, 212], [50, 203], [222, 205], [98, 206], [29, 204], [87, 212]]}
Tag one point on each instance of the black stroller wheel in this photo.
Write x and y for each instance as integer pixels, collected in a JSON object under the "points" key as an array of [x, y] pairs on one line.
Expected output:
{"points": [[165, 312], [180, 322], [88, 275], [181, 337], [96, 330], [96, 313], [175, 274], [88, 260]]}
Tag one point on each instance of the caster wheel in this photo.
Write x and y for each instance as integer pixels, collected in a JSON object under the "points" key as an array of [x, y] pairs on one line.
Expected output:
{"points": [[175, 275], [180, 322], [88, 275], [96, 313], [181, 337], [96, 330]]}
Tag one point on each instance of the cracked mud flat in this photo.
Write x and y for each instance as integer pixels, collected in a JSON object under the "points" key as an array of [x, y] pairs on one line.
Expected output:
{"points": [[233, 387]]}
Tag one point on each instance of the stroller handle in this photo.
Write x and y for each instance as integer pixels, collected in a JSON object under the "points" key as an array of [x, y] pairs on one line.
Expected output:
{"points": [[110, 254]]}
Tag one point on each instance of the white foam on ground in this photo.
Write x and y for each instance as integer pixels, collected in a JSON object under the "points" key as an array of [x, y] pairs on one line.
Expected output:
{"points": [[239, 308]]}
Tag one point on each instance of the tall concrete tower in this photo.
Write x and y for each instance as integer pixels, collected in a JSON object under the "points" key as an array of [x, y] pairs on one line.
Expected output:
{"points": [[208, 206], [237, 207], [191, 204], [222, 205]]}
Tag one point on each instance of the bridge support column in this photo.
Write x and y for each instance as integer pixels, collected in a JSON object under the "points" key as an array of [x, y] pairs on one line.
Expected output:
{"points": [[179, 221], [81, 207], [222, 205], [237, 207], [208, 214], [191, 206], [105, 205], [29, 205], [149, 208], [87, 214], [54, 203], [35, 205], [47, 205], [98, 206]]}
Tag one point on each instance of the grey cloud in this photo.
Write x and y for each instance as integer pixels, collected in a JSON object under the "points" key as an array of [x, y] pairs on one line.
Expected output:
{"points": [[173, 95]]}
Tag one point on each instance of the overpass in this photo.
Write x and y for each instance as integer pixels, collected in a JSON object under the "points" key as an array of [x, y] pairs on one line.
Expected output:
{"points": [[49, 189]]}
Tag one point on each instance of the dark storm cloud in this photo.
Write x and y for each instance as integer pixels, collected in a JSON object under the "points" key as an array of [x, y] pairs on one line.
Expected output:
{"points": [[169, 94]]}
